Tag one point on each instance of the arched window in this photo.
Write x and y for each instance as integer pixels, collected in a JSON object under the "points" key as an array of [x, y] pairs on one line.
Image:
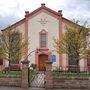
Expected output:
{"points": [[43, 39]]}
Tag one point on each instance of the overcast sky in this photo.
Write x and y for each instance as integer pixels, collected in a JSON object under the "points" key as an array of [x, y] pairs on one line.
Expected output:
{"points": [[13, 10]]}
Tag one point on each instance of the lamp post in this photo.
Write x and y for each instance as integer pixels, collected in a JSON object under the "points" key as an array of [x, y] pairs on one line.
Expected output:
{"points": [[36, 50], [25, 71]]}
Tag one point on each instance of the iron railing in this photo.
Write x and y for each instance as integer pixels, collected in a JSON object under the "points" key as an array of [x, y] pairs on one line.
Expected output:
{"points": [[70, 71], [9, 71]]}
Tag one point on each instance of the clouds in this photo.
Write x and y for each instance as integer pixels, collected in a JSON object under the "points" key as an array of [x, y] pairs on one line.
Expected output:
{"points": [[78, 9], [13, 10]]}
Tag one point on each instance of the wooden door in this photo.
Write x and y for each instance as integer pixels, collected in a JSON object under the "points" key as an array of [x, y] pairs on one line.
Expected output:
{"points": [[1, 61], [88, 62], [42, 59]]}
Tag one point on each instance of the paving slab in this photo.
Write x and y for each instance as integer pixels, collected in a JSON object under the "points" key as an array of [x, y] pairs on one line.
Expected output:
{"points": [[18, 88]]}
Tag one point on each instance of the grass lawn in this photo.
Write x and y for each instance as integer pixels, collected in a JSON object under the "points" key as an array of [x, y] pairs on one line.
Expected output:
{"points": [[68, 74], [17, 73], [10, 73]]}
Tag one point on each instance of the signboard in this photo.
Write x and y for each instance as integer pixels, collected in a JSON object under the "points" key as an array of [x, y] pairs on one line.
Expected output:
{"points": [[53, 57]]}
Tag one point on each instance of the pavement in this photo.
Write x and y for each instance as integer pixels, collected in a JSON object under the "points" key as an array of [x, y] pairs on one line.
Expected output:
{"points": [[18, 88]]}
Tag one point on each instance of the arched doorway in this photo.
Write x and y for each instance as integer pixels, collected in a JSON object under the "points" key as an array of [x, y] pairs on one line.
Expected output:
{"points": [[42, 59]]}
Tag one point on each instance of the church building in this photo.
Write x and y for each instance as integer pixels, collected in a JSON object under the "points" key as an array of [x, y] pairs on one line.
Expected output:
{"points": [[39, 28]]}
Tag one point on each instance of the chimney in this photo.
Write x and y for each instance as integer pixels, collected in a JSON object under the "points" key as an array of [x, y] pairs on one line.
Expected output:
{"points": [[60, 12], [42, 4], [26, 13]]}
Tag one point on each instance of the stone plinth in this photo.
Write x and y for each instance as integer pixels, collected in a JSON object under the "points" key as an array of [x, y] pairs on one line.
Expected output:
{"points": [[25, 73], [48, 78]]}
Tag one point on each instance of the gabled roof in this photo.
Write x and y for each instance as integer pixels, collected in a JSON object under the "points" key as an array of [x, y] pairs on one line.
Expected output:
{"points": [[14, 25], [43, 7]]}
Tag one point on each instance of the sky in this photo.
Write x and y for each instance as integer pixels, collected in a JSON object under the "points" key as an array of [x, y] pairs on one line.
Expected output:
{"points": [[12, 11]]}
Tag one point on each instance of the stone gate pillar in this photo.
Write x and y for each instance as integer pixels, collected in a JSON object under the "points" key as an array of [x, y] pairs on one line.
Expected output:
{"points": [[25, 74], [48, 77]]}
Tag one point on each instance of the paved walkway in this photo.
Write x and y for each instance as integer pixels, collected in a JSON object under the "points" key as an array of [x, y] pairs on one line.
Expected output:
{"points": [[17, 88]]}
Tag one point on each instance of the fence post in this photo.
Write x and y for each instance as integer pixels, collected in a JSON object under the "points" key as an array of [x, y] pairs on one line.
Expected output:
{"points": [[48, 77], [25, 67]]}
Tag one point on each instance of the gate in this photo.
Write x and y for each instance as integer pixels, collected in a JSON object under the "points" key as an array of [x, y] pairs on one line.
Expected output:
{"points": [[38, 79]]}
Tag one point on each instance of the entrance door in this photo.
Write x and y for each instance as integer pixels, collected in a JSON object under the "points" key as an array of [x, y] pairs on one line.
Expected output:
{"points": [[88, 62], [42, 59], [1, 61]]}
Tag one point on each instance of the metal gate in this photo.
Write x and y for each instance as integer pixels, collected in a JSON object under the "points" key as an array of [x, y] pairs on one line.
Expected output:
{"points": [[38, 80]]}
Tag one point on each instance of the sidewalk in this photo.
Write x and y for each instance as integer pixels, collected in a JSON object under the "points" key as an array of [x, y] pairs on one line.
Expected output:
{"points": [[17, 88]]}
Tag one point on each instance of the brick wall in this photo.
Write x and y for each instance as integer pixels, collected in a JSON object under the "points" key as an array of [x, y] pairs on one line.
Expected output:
{"points": [[71, 83], [10, 81]]}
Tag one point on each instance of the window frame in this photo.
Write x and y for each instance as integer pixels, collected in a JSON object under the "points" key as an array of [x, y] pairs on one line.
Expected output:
{"points": [[40, 33]]}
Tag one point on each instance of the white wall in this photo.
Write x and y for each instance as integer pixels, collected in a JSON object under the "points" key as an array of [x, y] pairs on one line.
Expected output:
{"points": [[52, 27]]}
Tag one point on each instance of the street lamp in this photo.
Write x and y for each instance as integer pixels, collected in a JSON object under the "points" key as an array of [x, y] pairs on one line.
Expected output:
{"points": [[36, 50]]}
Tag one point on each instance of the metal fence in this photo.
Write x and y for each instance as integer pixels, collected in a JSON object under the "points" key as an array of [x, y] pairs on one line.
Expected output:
{"points": [[70, 71], [10, 71]]}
